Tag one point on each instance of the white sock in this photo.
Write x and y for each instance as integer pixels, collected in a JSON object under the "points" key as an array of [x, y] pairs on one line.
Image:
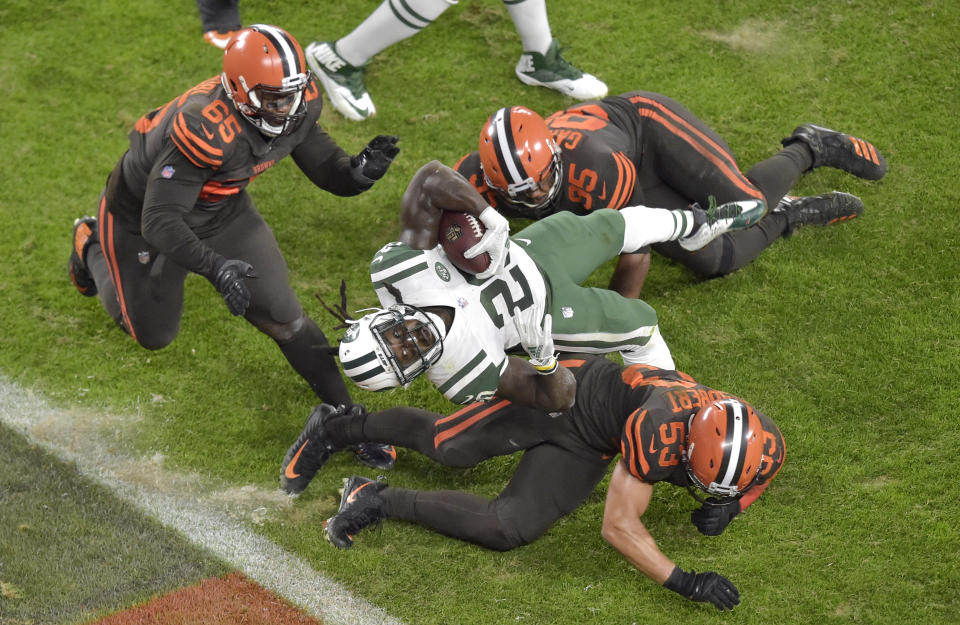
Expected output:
{"points": [[389, 23], [654, 353], [644, 225], [530, 19]]}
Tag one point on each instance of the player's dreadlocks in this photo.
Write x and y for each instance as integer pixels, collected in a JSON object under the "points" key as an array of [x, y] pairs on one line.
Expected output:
{"points": [[339, 311]]}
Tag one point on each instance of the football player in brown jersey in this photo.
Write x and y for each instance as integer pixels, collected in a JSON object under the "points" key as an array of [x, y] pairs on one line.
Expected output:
{"points": [[176, 203], [664, 425], [646, 148]]}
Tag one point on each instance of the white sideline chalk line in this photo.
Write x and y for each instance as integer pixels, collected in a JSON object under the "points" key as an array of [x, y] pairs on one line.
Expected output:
{"points": [[205, 521]]}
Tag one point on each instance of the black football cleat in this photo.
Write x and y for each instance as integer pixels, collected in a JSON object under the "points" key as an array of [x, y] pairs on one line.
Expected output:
{"points": [[377, 455], [84, 233], [309, 453], [360, 506], [841, 151], [819, 210]]}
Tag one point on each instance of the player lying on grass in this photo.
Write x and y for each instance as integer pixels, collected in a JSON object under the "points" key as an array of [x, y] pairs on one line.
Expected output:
{"points": [[665, 425], [646, 148], [457, 327]]}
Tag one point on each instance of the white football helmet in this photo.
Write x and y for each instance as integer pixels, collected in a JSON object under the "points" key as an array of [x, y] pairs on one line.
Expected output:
{"points": [[390, 348]]}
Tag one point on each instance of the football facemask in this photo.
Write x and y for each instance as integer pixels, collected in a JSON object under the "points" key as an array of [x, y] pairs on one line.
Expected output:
{"points": [[390, 348], [521, 160]]}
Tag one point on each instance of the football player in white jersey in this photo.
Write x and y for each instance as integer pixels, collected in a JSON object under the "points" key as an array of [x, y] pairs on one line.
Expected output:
{"points": [[458, 327]]}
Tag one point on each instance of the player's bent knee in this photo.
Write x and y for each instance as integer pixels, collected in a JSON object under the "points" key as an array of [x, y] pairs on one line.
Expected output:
{"points": [[280, 332], [154, 342], [457, 456]]}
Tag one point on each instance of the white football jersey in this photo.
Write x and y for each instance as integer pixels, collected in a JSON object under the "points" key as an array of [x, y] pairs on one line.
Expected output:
{"points": [[474, 349]]}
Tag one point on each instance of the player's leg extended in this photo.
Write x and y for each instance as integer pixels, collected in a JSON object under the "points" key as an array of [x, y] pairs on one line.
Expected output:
{"points": [[549, 483], [571, 245], [274, 307], [686, 154], [463, 438]]}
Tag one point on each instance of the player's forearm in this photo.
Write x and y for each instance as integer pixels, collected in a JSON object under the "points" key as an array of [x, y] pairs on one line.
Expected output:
{"points": [[556, 391], [636, 544], [521, 384]]}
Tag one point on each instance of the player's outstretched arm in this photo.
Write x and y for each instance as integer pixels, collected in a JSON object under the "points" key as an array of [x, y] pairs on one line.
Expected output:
{"points": [[522, 384], [627, 500], [434, 189]]}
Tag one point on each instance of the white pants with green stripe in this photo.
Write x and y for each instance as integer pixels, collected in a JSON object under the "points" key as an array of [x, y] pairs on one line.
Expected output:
{"points": [[568, 248]]}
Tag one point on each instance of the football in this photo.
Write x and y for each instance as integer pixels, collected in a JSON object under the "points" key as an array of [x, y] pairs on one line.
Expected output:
{"points": [[458, 233]]}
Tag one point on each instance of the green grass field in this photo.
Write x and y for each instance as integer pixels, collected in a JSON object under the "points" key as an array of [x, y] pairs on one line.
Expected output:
{"points": [[847, 336]]}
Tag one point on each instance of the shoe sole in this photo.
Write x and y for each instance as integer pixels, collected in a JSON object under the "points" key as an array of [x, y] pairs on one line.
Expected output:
{"points": [[565, 86]]}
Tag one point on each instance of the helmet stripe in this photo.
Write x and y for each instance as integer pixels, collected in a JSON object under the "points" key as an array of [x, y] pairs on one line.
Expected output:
{"points": [[362, 377], [359, 361], [285, 46], [733, 444], [505, 147]]}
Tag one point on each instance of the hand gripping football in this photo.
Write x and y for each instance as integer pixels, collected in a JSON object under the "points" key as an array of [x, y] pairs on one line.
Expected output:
{"points": [[458, 233]]}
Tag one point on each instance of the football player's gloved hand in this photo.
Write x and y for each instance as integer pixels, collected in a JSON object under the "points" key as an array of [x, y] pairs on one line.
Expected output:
{"points": [[354, 410], [536, 337], [713, 517], [707, 587], [230, 282], [494, 241], [373, 161]]}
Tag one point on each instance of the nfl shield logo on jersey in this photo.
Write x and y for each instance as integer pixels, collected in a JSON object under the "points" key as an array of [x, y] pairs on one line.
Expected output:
{"points": [[566, 311], [167, 172]]}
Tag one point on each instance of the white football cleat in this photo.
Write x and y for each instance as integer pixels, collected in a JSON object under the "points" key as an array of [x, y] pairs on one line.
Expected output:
{"points": [[342, 82], [552, 71]]}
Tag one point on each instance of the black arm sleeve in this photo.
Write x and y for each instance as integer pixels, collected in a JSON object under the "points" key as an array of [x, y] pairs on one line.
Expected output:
{"points": [[327, 164], [173, 186]]}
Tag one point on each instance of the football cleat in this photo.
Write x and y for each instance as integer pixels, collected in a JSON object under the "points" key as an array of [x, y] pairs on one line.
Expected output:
{"points": [[377, 455], [552, 71], [309, 453], [84, 233], [342, 82], [360, 506], [219, 39], [819, 210], [841, 151], [717, 220]]}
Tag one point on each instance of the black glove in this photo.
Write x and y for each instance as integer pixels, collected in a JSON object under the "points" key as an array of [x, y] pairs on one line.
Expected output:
{"points": [[713, 517], [706, 587], [229, 282], [356, 410], [372, 162]]}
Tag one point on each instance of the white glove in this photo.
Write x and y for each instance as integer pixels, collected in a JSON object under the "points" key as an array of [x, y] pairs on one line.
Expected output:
{"points": [[536, 337], [494, 241]]}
